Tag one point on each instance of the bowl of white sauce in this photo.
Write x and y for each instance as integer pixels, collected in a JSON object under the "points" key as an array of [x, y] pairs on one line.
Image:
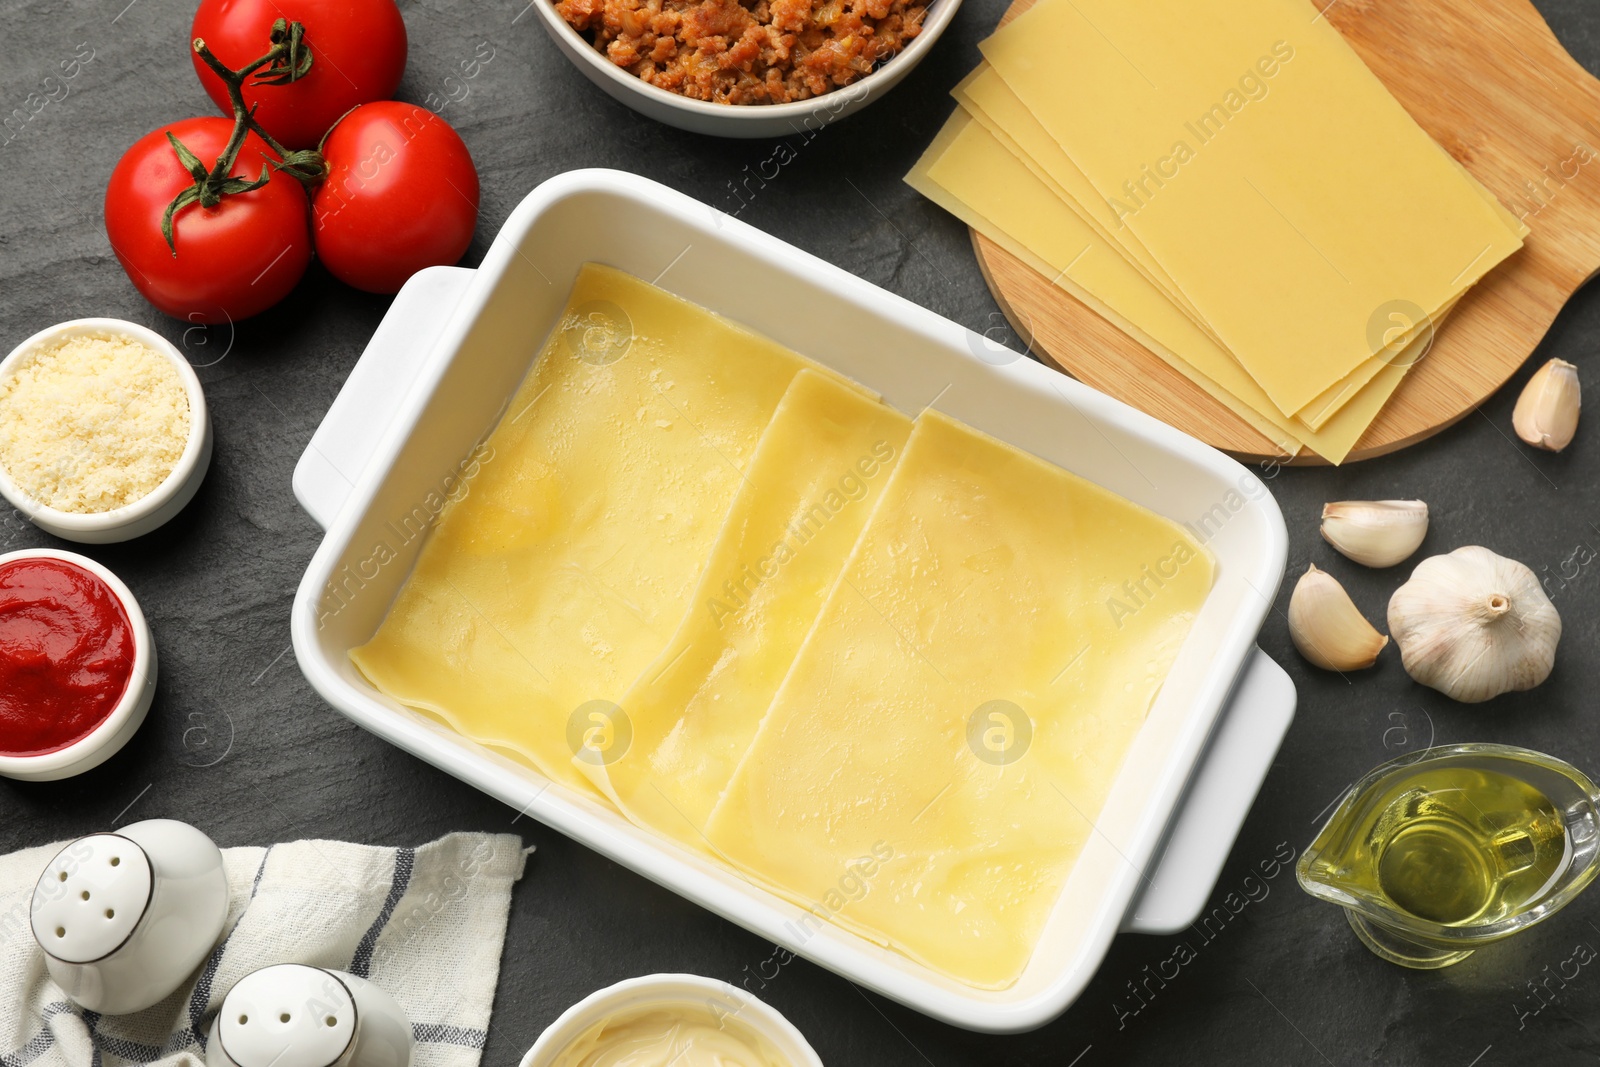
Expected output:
{"points": [[679, 1019]]}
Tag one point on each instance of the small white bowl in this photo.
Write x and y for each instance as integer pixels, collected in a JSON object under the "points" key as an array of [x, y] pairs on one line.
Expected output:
{"points": [[105, 740], [743, 120], [163, 502], [656, 991]]}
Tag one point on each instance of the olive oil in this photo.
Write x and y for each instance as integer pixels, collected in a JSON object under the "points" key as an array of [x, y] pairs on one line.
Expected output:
{"points": [[1436, 855], [1457, 845]]}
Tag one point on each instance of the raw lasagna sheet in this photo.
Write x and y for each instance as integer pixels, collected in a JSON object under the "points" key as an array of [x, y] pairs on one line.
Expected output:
{"points": [[1287, 222], [969, 172], [956, 716], [568, 564], [819, 469], [989, 100]]}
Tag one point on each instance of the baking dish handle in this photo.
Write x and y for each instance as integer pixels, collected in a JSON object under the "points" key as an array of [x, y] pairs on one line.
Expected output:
{"points": [[343, 445], [1218, 798]]}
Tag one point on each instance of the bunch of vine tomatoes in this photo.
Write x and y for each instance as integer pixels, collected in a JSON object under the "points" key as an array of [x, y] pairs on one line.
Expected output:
{"points": [[215, 219]]}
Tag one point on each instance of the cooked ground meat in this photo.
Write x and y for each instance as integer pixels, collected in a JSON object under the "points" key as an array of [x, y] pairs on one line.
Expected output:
{"points": [[757, 52]]}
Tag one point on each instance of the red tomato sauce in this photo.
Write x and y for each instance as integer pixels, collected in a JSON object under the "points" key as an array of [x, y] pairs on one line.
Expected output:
{"points": [[66, 654]]}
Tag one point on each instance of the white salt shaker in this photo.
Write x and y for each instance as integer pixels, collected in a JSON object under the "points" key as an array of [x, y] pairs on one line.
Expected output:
{"points": [[293, 1015], [124, 918]]}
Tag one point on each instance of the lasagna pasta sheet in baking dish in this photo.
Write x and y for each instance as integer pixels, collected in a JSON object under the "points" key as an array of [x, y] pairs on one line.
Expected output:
{"points": [[567, 566], [807, 492], [950, 730]]}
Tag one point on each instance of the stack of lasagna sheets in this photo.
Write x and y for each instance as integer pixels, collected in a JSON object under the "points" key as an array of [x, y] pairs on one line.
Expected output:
{"points": [[1226, 182]]}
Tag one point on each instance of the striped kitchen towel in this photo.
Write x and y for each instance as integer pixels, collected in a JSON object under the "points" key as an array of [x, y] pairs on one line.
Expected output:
{"points": [[427, 924]]}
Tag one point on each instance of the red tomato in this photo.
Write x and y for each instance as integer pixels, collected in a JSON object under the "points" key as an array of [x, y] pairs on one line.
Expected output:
{"points": [[358, 52], [233, 260], [401, 194]]}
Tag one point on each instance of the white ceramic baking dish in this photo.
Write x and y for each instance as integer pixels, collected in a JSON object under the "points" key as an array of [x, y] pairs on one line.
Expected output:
{"points": [[452, 350]]}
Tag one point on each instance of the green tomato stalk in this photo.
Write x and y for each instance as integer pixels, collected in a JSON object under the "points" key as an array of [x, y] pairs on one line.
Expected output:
{"points": [[288, 61]]}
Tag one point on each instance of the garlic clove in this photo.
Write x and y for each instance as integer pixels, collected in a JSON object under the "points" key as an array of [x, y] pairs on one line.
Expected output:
{"points": [[1378, 533], [1473, 624], [1328, 628], [1546, 415]]}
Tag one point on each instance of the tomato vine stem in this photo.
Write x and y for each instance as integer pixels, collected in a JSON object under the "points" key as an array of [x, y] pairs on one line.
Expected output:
{"points": [[288, 60]]}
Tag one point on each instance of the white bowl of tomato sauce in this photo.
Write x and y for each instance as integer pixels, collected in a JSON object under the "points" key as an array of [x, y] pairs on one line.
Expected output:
{"points": [[77, 665], [757, 117]]}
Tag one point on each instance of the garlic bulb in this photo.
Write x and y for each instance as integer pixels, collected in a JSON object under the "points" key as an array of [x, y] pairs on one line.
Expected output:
{"points": [[1378, 533], [1473, 625], [1546, 415], [1327, 627]]}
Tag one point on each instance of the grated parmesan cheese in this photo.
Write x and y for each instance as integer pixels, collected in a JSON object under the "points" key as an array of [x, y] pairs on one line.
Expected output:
{"points": [[93, 423]]}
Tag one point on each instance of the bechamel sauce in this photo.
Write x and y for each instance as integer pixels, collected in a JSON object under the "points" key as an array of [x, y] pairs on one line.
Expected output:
{"points": [[679, 1036]]}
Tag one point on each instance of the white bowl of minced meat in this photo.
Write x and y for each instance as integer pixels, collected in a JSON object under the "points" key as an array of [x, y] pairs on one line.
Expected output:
{"points": [[764, 68]]}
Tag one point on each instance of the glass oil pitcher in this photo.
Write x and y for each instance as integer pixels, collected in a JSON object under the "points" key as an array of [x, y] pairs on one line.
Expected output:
{"points": [[1434, 855]]}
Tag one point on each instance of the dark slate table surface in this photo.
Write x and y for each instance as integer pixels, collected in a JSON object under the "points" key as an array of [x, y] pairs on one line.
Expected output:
{"points": [[1283, 983]]}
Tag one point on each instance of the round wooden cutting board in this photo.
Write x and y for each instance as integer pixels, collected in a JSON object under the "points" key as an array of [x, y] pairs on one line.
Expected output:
{"points": [[1493, 86]]}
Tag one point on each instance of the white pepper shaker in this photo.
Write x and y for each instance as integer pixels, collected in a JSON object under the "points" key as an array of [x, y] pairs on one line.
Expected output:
{"points": [[124, 918], [294, 1015]]}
